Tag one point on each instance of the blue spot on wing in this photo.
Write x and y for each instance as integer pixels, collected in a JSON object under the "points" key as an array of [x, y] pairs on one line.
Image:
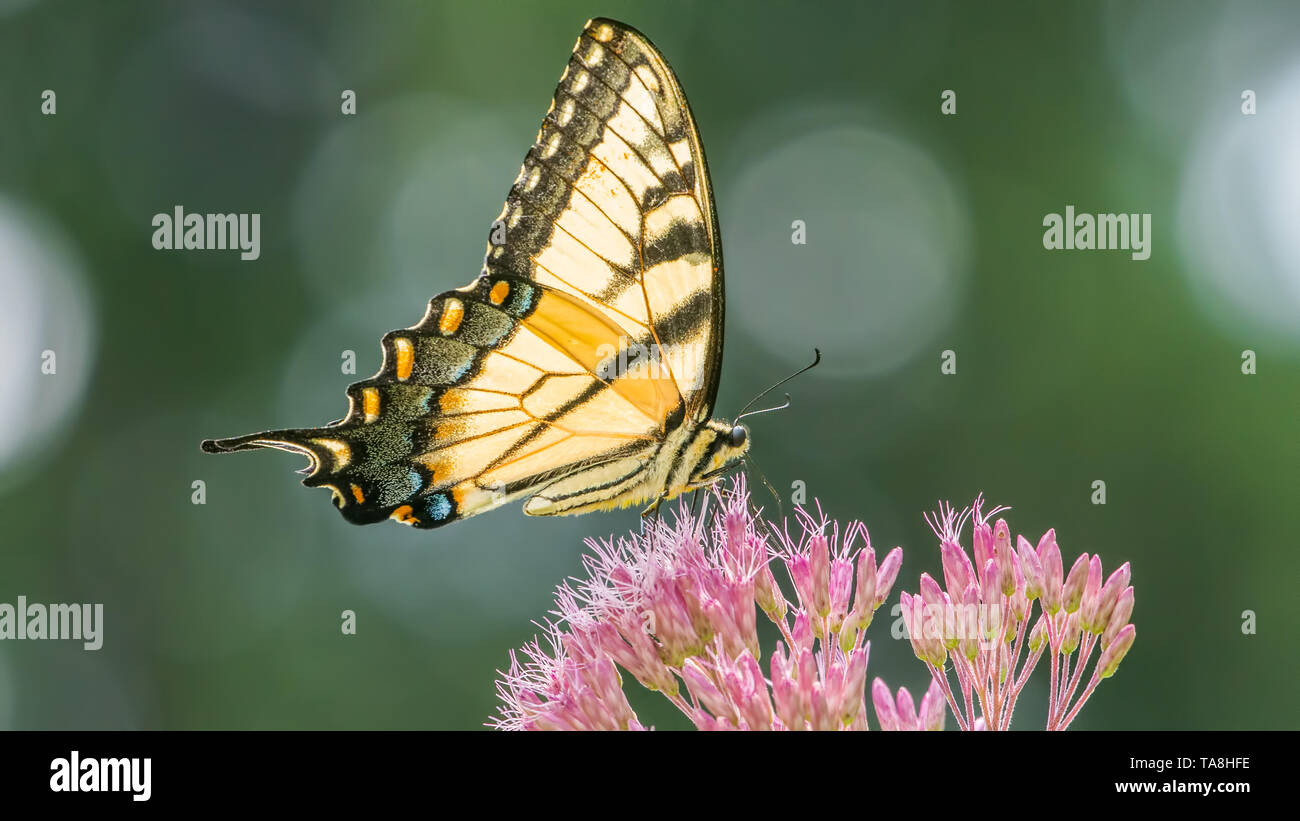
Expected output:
{"points": [[438, 507]]}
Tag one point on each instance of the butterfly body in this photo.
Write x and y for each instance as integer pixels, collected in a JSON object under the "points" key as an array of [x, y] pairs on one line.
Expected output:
{"points": [[579, 370]]}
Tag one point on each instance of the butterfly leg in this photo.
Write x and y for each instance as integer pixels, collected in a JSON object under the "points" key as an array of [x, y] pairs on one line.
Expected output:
{"points": [[653, 509], [697, 496]]}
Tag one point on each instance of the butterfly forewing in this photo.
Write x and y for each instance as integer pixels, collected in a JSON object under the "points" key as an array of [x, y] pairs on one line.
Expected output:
{"points": [[613, 206]]}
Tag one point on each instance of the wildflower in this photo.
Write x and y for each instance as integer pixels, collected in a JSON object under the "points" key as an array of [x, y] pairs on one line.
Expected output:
{"points": [[985, 614], [676, 607], [900, 713], [554, 690]]}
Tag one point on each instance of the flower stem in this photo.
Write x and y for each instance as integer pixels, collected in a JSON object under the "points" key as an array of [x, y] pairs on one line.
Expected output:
{"points": [[942, 679]]}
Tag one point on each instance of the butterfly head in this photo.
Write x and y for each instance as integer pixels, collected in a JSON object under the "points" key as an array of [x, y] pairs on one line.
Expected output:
{"points": [[722, 446]]}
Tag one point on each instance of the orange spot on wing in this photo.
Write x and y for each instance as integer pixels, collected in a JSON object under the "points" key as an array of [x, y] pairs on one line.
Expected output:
{"points": [[358, 495], [439, 471], [405, 357], [453, 311], [499, 292], [404, 515], [452, 401], [370, 403]]}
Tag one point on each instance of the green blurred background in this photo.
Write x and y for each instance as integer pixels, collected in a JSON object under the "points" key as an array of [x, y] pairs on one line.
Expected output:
{"points": [[924, 234]]}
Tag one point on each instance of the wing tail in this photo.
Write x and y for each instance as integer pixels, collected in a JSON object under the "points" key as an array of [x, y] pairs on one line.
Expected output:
{"points": [[291, 441]]}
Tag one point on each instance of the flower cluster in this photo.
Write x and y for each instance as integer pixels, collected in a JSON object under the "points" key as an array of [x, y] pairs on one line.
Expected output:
{"points": [[981, 617], [676, 608]]}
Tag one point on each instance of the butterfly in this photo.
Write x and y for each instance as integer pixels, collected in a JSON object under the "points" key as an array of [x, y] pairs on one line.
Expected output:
{"points": [[579, 370]]}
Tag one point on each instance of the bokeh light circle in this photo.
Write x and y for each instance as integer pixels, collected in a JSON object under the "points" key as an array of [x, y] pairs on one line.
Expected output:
{"points": [[46, 308], [887, 244]]}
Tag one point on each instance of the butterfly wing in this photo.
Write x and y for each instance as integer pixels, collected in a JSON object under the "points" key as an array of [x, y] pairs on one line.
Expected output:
{"points": [[592, 333], [613, 205]]}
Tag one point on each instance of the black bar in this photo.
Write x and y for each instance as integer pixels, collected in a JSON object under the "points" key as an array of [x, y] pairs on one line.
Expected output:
{"points": [[216, 770]]}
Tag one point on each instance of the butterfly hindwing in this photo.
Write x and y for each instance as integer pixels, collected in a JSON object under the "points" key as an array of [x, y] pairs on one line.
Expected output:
{"points": [[489, 394]]}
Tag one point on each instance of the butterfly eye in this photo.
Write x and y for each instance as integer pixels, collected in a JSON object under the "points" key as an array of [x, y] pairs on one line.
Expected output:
{"points": [[738, 435]]}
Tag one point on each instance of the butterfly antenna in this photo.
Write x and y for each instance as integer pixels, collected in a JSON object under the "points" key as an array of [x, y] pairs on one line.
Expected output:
{"points": [[752, 402], [781, 406]]}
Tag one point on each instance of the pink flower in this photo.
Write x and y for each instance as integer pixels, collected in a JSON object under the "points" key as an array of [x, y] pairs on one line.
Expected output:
{"points": [[557, 690], [676, 607], [901, 713], [981, 625]]}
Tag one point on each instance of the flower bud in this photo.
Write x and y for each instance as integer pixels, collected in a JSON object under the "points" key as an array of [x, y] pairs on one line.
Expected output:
{"points": [[886, 574], [1114, 654], [1019, 601], [953, 618], [819, 567], [1072, 592], [936, 652], [786, 693], [957, 569], [864, 598], [1038, 635], [747, 683], [982, 541], [1091, 594], [991, 587], [703, 688], [906, 710], [841, 588], [934, 708], [1050, 556], [1106, 598], [912, 608], [1071, 635], [1001, 536], [883, 700], [992, 625], [1122, 574], [768, 595], [1119, 616], [1006, 566], [968, 623], [1032, 568], [802, 632], [855, 681], [931, 593], [707, 723]]}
